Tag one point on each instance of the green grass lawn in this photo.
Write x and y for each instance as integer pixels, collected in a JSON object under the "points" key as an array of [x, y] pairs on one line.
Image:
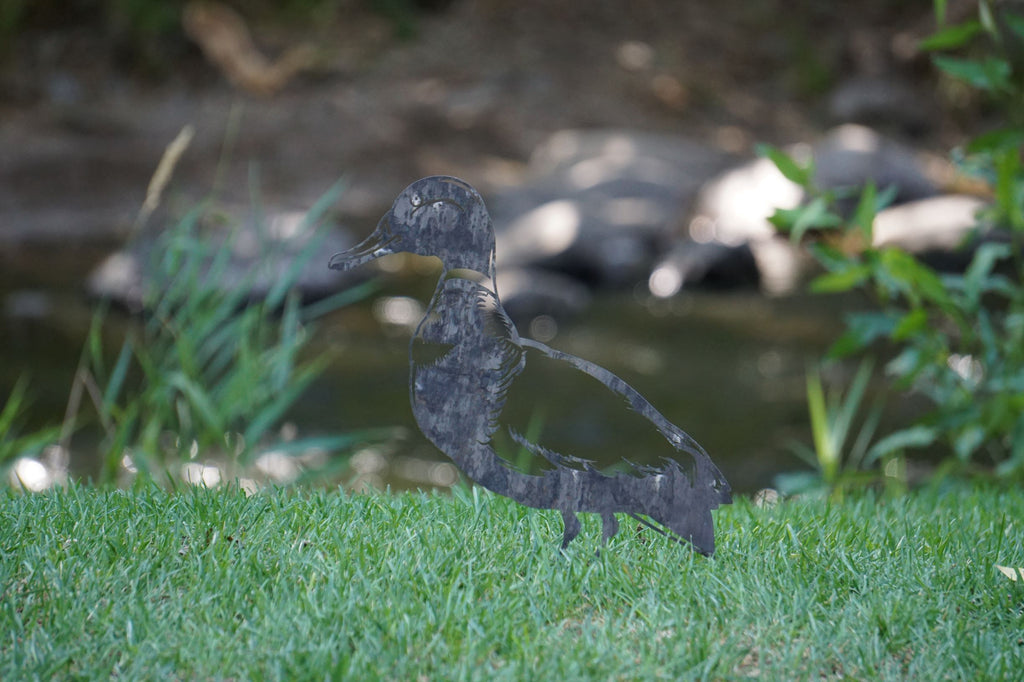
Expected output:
{"points": [[310, 585]]}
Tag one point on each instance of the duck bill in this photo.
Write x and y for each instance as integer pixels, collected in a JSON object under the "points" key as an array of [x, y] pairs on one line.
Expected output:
{"points": [[373, 247]]}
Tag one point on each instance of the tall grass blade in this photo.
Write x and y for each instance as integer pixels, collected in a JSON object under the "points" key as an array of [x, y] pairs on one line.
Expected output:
{"points": [[818, 410], [117, 376]]}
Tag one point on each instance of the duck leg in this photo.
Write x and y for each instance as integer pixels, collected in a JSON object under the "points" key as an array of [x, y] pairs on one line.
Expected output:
{"points": [[572, 527], [609, 526]]}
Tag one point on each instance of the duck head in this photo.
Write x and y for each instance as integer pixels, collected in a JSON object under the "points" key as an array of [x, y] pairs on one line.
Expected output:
{"points": [[437, 216]]}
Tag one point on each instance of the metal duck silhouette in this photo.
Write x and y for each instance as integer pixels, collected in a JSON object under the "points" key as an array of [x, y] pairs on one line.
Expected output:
{"points": [[465, 356]]}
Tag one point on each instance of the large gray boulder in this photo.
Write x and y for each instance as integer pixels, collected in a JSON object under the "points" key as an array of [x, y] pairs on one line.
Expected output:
{"points": [[729, 230], [261, 253], [601, 205]]}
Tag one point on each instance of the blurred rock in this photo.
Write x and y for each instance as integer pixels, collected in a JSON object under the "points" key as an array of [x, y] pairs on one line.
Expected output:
{"points": [[731, 221], [527, 294], [29, 304], [734, 208], [600, 205], [707, 264], [732, 211], [883, 102], [29, 474], [937, 229], [851, 155], [261, 256]]}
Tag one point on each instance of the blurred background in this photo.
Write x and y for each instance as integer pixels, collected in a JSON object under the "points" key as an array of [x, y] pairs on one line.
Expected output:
{"points": [[613, 141]]}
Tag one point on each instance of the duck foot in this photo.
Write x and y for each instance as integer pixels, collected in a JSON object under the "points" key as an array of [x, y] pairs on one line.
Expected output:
{"points": [[609, 527], [572, 527]]}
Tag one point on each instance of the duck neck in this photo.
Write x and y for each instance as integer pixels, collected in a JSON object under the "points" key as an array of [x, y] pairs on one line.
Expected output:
{"points": [[475, 251], [478, 272]]}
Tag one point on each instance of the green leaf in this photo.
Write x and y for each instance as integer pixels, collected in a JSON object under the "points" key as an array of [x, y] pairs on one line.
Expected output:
{"points": [[911, 323], [988, 22], [919, 280], [13, 406], [827, 456], [871, 202], [977, 275], [913, 437], [951, 37], [339, 300], [793, 170], [846, 410], [117, 376], [784, 218], [905, 365], [987, 74], [815, 215], [841, 280], [1009, 186], [283, 400], [1003, 139], [30, 444], [861, 330], [864, 216], [1015, 22], [830, 257], [798, 483], [199, 400], [968, 440]]}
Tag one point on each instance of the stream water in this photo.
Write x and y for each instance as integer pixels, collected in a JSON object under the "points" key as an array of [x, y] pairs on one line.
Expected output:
{"points": [[727, 367]]}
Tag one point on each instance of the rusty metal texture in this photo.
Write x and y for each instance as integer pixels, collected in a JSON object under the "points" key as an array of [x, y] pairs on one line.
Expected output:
{"points": [[466, 356]]}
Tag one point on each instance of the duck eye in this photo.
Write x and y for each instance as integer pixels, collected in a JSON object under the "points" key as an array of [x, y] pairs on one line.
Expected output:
{"points": [[416, 200]]}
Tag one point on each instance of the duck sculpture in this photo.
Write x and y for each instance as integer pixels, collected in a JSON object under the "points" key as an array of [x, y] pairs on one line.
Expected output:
{"points": [[466, 358]]}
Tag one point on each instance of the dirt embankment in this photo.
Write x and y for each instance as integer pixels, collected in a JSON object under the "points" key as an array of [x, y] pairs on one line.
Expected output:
{"points": [[472, 93]]}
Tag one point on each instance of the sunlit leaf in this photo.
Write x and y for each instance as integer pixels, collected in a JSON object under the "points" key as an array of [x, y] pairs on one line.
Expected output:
{"points": [[986, 19], [784, 218], [911, 323], [815, 215], [827, 456], [951, 37], [986, 74], [1009, 188], [913, 437], [864, 216], [842, 280], [793, 170], [845, 410]]}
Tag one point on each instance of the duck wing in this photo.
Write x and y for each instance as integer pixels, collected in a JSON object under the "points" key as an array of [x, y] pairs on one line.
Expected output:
{"points": [[475, 379], [568, 412]]}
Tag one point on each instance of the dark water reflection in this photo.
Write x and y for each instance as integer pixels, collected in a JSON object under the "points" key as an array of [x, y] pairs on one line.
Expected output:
{"points": [[727, 367]]}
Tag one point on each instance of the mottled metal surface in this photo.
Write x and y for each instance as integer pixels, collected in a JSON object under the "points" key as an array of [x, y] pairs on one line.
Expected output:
{"points": [[465, 358]]}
